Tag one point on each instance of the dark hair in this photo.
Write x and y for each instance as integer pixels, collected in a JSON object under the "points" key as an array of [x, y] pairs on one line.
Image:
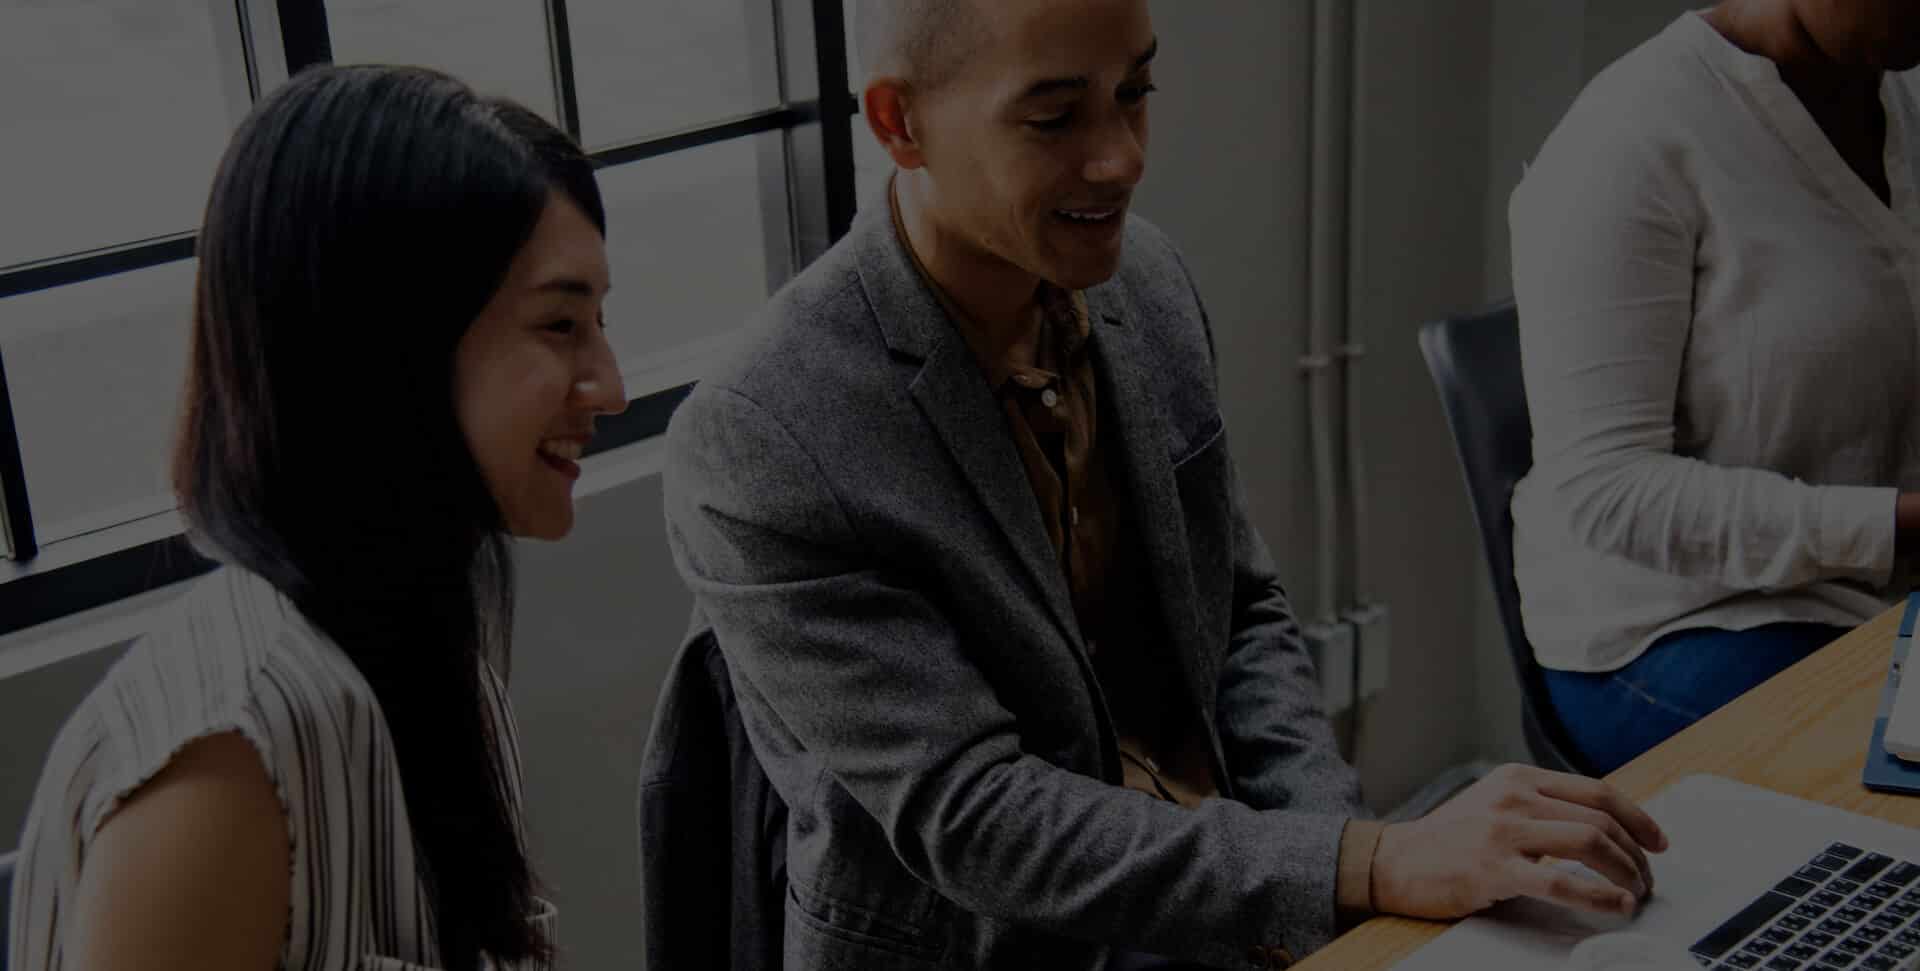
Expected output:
{"points": [[359, 222]]}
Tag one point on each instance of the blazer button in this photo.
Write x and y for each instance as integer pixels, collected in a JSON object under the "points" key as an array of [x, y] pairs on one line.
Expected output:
{"points": [[1282, 958], [1259, 957]]}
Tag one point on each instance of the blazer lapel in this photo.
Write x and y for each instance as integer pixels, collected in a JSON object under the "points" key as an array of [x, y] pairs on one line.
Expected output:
{"points": [[951, 390], [1145, 454], [953, 394]]}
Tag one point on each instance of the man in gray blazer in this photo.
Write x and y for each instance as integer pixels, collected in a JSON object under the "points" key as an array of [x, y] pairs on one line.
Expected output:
{"points": [[963, 518]]}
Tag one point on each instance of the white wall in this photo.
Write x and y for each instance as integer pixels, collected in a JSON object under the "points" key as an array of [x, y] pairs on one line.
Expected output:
{"points": [[1420, 147], [599, 617]]}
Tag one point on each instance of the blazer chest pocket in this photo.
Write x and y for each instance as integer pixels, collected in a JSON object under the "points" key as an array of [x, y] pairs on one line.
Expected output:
{"points": [[1203, 476], [1207, 435]]}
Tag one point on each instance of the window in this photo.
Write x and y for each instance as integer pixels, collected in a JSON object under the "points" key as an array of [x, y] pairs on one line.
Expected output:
{"points": [[94, 369], [499, 46], [84, 84], [871, 165], [723, 173], [667, 299], [688, 62]]}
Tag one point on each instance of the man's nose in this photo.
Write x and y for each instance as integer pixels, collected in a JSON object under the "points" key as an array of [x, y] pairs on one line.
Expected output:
{"points": [[1120, 158]]}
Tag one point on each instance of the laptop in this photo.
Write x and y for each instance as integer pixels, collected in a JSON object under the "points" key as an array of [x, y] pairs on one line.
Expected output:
{"points": [[1753, 880], [1893, 756]]}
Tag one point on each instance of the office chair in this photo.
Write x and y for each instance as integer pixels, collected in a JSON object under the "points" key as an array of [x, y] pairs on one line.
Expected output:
{"points": [[1475, 363], [713, 830]]}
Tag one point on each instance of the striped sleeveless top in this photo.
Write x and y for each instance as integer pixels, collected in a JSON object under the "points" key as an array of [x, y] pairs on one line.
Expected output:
{"points": [[233, 655]]}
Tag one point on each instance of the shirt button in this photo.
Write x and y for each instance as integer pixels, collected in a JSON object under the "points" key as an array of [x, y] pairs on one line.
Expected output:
{"points": [[1073, 515], [1049, 397]]}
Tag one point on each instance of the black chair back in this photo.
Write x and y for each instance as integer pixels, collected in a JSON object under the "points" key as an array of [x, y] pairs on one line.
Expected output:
{"points": [[1475, 363]]}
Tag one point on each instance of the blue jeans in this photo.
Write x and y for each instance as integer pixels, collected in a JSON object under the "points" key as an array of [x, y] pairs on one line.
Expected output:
{"points": [[1686, 675]]}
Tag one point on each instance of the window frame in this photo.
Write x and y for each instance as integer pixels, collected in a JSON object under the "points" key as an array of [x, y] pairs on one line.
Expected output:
{"points": [[808, 191]]}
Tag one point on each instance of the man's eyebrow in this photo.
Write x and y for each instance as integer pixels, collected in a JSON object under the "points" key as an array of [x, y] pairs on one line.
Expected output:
{"points": [[1040, 89]]}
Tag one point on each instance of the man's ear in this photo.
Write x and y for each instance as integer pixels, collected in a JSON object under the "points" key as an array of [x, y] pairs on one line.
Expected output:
{"points": [[887, 106]]}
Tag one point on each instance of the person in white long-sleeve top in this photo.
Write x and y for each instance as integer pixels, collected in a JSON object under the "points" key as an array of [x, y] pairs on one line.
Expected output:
{"points": [[1717, 268]]}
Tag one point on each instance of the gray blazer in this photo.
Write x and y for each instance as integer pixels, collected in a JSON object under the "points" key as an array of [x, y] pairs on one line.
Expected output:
{"points": [[852, 516]]}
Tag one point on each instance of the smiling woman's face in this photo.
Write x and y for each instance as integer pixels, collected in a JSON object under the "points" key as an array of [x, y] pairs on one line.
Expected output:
{"points": [[534, 370]]}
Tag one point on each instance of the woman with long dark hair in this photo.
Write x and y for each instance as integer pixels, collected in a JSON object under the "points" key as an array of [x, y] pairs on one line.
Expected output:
{"points": [[397, 358]]}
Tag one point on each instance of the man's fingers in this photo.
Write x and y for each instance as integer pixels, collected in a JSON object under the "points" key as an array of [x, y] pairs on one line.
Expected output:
{"points": [[1598, 795], [1570, 812], [1568, 888], [1582, 844]]}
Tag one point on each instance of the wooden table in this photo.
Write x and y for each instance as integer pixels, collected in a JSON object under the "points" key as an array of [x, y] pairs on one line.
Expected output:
{"points": [[1804, 733]]}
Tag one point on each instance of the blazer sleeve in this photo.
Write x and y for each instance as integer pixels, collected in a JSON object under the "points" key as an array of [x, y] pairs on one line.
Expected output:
{"points": [[1279, 743], [870, 678]]}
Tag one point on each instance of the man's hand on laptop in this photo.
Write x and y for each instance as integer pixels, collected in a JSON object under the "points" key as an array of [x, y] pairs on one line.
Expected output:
{"points": [[1486, 845]]}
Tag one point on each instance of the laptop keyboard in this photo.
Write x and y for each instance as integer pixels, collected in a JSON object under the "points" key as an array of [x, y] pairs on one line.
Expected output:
{"points": [[1846, 910]]}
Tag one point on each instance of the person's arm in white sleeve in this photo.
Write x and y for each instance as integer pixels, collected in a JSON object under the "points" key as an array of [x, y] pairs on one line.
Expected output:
{"points": [[1603, 264]]}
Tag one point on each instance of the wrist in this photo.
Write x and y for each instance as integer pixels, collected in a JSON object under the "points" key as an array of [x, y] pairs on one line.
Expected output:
{"points": [[1353, 885], [1380, 886]]}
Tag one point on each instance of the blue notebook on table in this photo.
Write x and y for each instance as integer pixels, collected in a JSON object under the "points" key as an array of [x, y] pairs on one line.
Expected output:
{"points": [[1883, 772]]}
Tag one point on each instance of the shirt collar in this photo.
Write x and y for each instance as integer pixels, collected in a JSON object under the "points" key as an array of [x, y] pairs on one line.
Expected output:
{"points": [[1061, 316]]}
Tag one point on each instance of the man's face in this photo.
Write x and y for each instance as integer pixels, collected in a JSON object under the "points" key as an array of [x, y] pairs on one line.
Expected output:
{"points": [[1034, 145]]}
